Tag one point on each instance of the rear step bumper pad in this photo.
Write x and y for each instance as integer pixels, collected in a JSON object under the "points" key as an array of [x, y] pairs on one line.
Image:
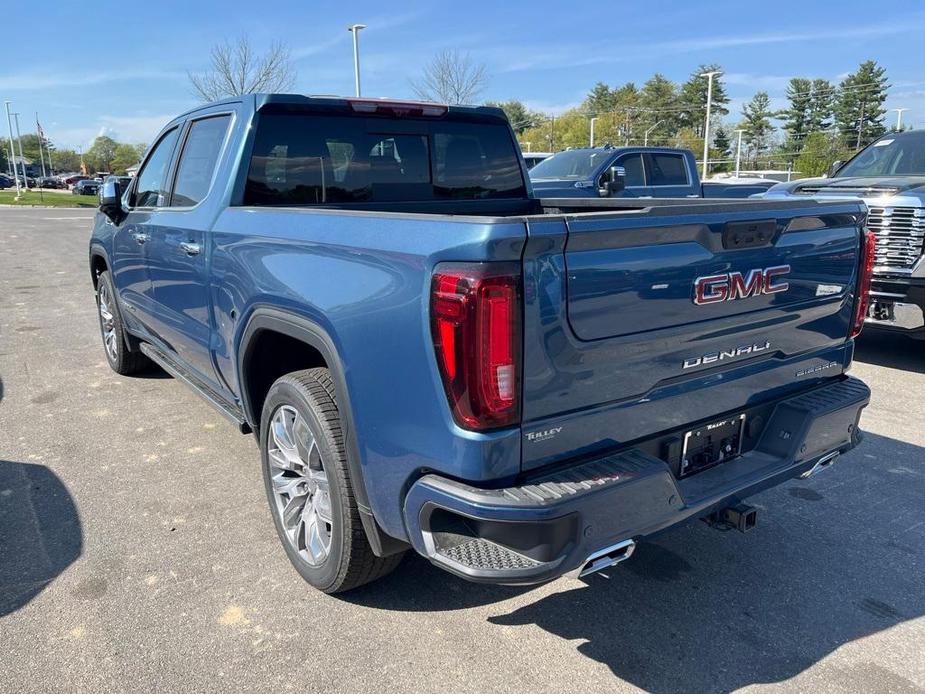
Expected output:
{"points": [[552, 523]]}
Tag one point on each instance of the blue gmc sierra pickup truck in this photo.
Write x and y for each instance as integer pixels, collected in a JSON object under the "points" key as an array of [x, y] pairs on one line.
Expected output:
{"points": [[431, 357], [647, 172]]}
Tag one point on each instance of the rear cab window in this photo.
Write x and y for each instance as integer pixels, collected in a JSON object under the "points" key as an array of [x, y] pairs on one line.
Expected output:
{"points": [[303, 158], [667, 170]]}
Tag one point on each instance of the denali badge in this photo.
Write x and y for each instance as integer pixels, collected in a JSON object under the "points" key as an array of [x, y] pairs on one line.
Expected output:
{"points": [[714, 357], [730, 286]]}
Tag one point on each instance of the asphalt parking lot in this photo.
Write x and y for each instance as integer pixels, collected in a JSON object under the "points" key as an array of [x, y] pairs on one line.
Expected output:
{"points": [[137, 551]]}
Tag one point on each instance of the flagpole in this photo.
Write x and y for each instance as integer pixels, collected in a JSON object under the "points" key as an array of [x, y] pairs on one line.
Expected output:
{"points": [[38, 131]]}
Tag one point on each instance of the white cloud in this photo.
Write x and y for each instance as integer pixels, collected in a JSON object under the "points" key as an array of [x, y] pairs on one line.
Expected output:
{"points": [[132, 129], [53, 79]]}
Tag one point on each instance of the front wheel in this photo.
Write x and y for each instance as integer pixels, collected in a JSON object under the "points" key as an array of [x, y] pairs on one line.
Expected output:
{"points": [[309, 488], [120, 357]]}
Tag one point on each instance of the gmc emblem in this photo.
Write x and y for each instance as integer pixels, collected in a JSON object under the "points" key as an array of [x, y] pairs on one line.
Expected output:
{"points": [[731, 286]]}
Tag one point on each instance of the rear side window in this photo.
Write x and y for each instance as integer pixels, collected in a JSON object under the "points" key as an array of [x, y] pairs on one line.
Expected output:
{"points": [[667, 170], [150, 189], [198, 159], [316, 160]]}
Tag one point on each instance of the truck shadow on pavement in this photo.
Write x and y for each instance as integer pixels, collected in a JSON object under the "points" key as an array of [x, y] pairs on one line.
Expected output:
{"points": [[833, 559], [892, 351], [40, 532]]}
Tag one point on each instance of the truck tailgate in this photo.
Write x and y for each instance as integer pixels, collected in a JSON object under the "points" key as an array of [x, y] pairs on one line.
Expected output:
{"points": [[641, 321]]}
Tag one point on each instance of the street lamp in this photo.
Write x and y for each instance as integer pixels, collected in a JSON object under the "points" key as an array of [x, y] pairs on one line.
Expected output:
{"points": [[706, 127], [645, 139], [22, 159], [739, 152], [899, 118], [592, 130], [355, 30], [9, 123]]}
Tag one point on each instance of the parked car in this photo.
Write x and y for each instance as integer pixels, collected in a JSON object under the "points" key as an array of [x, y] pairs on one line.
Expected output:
{"points": [[27, 181], [6, 182], [431, 358], [75, 179], [651, 172], [49, 182], [889, 176], [531, 159], [86, 187]]}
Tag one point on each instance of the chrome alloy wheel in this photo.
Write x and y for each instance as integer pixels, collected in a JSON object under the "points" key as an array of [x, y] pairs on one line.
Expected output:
{"points": [[107, 322], [300, 485]]}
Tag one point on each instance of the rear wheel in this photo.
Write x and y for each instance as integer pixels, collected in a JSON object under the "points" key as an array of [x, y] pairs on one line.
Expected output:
{"points": [[309, 488], [120, 357]]}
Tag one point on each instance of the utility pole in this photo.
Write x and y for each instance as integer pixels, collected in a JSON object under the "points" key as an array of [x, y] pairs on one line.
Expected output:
{"points": [[592, 130], [645, 139], [38, 131], [9, 123], [706, 126], [739, 152], [355, 30], [899, 118], [22, 159], [528, 145], [860, 125]]}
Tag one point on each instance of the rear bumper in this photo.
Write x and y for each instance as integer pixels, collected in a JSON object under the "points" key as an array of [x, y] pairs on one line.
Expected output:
{"points": [[897, 305], [549, 525]]}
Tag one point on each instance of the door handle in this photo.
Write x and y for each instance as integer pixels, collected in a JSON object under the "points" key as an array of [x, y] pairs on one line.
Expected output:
{"points": [[140, 237], [190, 248]]}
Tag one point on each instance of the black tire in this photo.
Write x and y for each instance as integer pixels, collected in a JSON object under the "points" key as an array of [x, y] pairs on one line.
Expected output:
{"points": [[350, 561], [122, 360]]}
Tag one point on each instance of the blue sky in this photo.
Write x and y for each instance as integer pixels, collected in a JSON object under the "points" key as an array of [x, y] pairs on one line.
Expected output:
{"points": [[121, 71]]}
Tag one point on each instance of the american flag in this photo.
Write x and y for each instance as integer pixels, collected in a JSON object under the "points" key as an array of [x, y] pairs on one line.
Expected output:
{"points": [[39, 127]]}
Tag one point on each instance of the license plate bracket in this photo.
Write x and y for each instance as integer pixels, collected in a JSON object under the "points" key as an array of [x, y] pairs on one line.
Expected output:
{"points": [[712, 444]]}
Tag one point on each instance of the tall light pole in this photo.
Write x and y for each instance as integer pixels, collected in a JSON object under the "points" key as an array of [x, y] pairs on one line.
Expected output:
{"points": [[9, 123], [899, 118], [739, 152], [645, 138], [355, 30], [592, 130], [706, 127], [22, 159]]}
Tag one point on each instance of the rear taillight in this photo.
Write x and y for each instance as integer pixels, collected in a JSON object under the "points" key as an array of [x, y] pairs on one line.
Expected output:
{"points": [[475, 324], [868, 248]]}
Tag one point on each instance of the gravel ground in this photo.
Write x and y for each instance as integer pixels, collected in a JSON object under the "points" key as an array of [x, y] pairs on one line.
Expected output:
{"points": [[137, 551]]}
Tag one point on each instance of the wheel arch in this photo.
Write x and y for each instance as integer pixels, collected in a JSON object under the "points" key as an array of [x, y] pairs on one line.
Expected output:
{"points": [[263, 321], [99, 263]]}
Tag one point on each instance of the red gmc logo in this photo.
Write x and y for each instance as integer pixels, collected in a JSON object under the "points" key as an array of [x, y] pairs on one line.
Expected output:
{"points": [[731, 286]]}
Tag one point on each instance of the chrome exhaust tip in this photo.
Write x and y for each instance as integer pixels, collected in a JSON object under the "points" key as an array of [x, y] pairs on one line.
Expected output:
{"points": [[825, 461], [605, 558]]}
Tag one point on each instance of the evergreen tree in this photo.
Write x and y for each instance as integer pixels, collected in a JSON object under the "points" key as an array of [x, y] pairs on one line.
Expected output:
{"points": [[693, 99], [757, 115], [859, 108], [658, 110], [601, 99], [797, 117], [721, 140], [822, 100]]}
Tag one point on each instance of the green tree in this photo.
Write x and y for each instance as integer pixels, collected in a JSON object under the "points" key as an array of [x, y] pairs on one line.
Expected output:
{"points": [[123, 156], [797, 116], [658, 111], [692, 99], [518, 115], [820, 150], [757, 115], [101, 153], [822, 101], [859, 108], [601, 99], [65, 160]]}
